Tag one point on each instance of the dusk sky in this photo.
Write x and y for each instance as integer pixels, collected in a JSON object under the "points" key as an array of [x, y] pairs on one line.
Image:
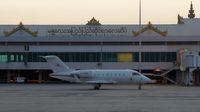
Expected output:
{"points": [[80, 11]]}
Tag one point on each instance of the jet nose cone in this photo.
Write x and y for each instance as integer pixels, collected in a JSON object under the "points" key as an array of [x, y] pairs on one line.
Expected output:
{"points": [[147, 80], [151, 81]]}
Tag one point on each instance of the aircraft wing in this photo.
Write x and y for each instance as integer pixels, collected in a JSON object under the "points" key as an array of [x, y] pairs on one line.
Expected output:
{"points": [[100, 82], [90, 81]]}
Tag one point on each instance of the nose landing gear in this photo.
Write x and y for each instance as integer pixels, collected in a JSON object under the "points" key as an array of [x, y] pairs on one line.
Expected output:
{"points": [[140, 84]]}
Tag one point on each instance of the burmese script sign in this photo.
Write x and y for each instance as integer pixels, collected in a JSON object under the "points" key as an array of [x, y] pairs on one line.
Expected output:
{"points": [[87, 31]]}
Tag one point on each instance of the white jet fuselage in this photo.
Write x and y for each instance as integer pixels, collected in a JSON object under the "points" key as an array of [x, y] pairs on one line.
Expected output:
{"points": [[103, 76], [94, 76]]}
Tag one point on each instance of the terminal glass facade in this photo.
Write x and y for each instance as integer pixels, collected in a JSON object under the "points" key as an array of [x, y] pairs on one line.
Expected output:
{"points": [[90, 57], [158, 56]]}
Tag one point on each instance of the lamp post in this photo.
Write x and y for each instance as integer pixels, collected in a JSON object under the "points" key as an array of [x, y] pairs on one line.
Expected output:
{"points": [[140, 25], [140, 12]]}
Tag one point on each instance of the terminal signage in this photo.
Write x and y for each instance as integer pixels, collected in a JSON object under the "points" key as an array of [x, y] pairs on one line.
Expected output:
{"points": [[87, 31]]}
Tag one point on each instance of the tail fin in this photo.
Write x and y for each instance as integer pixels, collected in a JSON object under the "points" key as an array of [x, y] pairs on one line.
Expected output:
{"points": [[56, 64]]}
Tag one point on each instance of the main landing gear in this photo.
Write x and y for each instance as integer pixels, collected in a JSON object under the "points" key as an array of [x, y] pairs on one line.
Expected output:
{"points": [[97, 86]]}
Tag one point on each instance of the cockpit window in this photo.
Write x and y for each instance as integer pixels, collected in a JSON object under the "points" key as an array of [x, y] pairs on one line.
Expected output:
{"points": [[134, 73]]}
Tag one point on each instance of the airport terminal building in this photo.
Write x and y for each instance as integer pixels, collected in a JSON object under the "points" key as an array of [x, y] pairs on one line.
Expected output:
{"points": [[151, 49]]}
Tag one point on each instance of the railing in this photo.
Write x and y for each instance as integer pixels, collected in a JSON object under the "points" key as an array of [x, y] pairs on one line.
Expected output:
{"points": [[164, 74]]}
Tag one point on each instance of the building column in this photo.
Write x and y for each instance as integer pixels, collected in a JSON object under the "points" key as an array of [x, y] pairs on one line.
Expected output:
{"points": [[178, 77], [183, 81], [190, 79], [8, 76], [198, 78], [186, 78], [40, 77]]}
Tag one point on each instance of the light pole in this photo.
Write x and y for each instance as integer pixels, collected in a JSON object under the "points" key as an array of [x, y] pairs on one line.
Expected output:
{"points": [[140, 26], [140, 12]]}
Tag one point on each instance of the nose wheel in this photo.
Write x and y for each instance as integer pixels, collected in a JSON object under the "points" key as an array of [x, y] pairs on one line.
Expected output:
{"points": [[140, 84], [97, 86]]}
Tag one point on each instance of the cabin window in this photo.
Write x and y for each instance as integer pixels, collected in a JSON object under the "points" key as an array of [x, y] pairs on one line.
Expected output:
{"points": [[135, 74]]}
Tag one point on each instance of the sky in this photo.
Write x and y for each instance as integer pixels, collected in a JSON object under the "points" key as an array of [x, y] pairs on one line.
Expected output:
{"points": [[106, 11]]}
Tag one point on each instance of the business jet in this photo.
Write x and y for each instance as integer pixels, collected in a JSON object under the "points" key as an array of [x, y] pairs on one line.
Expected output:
{"points": [[96, 77]]}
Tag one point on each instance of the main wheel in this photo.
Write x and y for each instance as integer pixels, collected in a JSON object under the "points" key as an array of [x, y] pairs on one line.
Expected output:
{"points": [[97, 86]]}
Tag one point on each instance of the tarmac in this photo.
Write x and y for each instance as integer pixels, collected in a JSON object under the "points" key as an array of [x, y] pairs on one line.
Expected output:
{"points": [[111, 98]]}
